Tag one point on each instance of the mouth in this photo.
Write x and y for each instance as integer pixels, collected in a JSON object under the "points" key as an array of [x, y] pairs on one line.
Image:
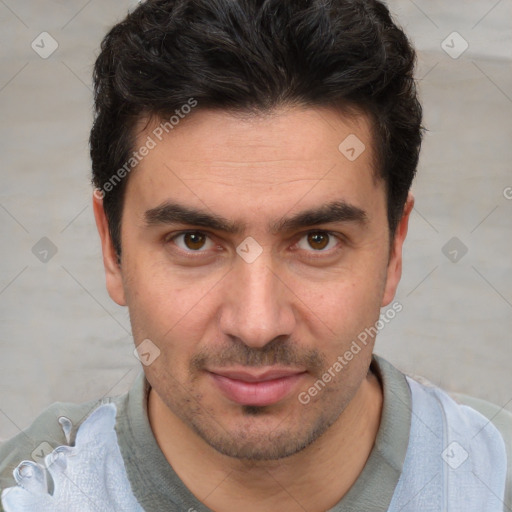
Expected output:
{"points": [[256, 387]]}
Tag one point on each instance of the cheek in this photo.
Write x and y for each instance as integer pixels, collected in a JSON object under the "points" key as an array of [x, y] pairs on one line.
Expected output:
{"points": [[348, 315], [167, 309], [347, 299], [152, 292]]}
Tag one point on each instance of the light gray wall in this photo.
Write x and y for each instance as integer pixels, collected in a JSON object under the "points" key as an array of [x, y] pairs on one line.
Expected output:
{"points": [[62, 338]]}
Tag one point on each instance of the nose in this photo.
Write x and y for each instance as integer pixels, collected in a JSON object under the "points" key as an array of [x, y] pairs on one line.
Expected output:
{"points": [[258, 306]]}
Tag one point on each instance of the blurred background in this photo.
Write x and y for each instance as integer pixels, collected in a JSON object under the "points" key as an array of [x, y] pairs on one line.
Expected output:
{"points": [[63, 339]]}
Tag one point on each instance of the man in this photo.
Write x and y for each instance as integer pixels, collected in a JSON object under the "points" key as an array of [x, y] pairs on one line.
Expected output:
{"points": [[252, 162]]}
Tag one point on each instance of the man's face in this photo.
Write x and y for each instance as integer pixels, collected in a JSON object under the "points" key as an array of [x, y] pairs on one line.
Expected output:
{"points": [[253, 254]]}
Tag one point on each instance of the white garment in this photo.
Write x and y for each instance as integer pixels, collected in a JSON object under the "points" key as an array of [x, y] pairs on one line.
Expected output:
{"points": [[87, 477], [456, 459]]}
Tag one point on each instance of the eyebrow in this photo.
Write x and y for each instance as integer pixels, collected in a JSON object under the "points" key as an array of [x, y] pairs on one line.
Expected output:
{"points": [[175, 213]]}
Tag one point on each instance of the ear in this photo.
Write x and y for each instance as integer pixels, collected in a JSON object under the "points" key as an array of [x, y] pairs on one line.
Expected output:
{"points": [[394, 272], [113, 274]]}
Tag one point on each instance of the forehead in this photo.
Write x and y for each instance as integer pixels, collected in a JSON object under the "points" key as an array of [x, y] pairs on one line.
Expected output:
{"points": [[256, 159]]}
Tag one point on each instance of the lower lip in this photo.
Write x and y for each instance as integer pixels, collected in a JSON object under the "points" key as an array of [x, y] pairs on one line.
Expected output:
{"points": [[256, 393]]}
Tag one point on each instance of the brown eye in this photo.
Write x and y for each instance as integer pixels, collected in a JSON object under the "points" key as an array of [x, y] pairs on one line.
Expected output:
{"points": [[318, 241], [193, 241]]}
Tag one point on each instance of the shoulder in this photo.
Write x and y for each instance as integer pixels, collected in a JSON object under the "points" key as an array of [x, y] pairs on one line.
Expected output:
{"points": [[502, 420], [469, 413], [469, 408], [55, 426], [499, 416]]}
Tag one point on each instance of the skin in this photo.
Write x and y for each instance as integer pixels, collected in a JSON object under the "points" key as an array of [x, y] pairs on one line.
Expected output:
{"points": [[299, 305]]}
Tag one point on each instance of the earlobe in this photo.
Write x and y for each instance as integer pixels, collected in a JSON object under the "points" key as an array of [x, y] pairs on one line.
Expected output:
{"points": [[394, 272], [113, 274]]}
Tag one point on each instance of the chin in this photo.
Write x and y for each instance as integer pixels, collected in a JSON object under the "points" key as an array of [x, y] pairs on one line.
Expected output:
{"points": [[258, 441]]}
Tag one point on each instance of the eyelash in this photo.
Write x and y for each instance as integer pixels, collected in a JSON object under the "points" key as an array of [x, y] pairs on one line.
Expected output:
{"points": [[313, 254]]}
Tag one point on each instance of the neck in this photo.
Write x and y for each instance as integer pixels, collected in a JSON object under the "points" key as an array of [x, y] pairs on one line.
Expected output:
{"points": [[314, 479]]}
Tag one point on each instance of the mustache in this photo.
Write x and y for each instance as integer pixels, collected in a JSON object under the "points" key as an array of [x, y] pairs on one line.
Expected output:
{"points": [[276, 352]]}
